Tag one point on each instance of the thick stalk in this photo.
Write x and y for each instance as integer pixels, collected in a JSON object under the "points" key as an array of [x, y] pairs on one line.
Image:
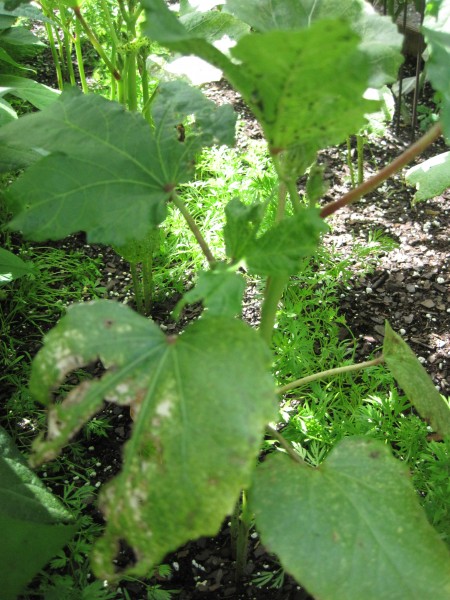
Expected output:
{"points": [[144, 83], [147, 281], [275, 284], [67, 42], [329, 373], [194, 228], [272, 295], [243, 525], [360, 153], [137, 288], [84, 85], [350, 163], [130, 66], [96, 44], [55, 56], [371, 184]]}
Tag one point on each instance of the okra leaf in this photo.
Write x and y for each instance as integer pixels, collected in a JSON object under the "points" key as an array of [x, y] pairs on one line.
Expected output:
{"points": [[279, 250], [13, 267], [380, 38], [106, 171], [351, 528], [202, 400], [34, 524], [37, 94], [220, 290], [242, 223], [415, 382], [436, 28], [305, 86], [431, 177]]}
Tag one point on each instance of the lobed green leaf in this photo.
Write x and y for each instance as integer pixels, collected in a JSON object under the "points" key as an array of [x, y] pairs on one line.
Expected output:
{"points": [[279, 250], [352, 528], [202, 400], [106, 171]]}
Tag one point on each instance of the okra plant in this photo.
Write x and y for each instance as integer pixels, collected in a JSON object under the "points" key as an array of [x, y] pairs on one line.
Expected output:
{"points": [[351, 528]]}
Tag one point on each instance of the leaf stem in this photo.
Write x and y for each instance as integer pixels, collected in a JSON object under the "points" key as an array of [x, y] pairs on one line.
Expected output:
{"points": [[329, 373], [94, 41], [371, 184], [285, 445], [276, 283], [194, 228]]}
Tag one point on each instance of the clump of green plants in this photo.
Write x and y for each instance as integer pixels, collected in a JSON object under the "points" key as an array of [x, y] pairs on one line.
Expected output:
{"points": [[204, 400]]}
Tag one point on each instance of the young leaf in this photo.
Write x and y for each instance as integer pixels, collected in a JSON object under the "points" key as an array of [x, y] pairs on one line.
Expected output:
{"points": [[415, 382], [298, 81], [241, 227], [279, 250], [436, 28], [12, 267], [220, 290], [33, 523], [431, 177], [352, 528], [202, 400], [108, 173]]}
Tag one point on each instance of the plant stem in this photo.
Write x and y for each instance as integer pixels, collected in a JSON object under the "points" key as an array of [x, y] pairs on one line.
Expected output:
{"points": [[371, 184], [360, 152], [54, 51], [285, 445], [94, 41], [276, 283], [137, 288], [84, 85], [329, 373], [272, 295], [240, 534], [194, 228], [350, 163]]}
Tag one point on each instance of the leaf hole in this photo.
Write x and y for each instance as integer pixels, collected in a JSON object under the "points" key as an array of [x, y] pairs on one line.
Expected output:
{"points": [[126, 557]]}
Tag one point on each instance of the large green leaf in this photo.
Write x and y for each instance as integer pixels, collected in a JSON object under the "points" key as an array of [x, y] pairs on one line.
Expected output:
{"points": [[202, 400], [108, 173], [415, 381], [436, 28], [295, 81], [305, 86], [352, 528], [379, 35], [279, 250], [34, 524]]}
